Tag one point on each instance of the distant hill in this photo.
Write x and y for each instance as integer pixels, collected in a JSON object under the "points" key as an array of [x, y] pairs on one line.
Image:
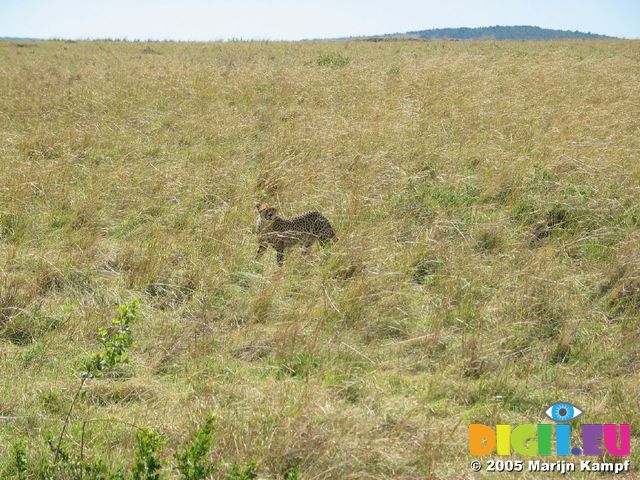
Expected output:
{"points": [[15, 39], [498, 32]]}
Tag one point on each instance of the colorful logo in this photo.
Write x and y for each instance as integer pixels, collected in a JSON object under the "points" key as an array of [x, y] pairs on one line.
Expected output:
{"points": [[537, 440]]}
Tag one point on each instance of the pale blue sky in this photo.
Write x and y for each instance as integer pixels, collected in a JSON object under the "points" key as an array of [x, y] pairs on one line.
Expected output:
{"points": [[298, 19]]}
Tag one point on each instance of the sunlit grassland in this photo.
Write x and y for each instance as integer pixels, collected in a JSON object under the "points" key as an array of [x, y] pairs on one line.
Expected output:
{"points": [[486, 196]]}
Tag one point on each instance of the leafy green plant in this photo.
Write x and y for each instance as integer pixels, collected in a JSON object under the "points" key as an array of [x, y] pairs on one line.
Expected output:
{"points": [[192, 461], [115, 343], [147, 465], [62, 466], [246, 472], [99, 471], [20, 459], [293, 474]]}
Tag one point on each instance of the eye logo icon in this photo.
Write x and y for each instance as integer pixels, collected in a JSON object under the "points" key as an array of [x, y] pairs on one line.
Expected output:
{"points": [[562, 412]]}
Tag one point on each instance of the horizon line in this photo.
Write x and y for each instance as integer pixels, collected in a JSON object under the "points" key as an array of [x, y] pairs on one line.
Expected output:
{"points": [[333, 38]]}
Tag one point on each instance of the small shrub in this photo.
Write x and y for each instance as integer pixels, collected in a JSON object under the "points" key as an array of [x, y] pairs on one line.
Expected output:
{"points": [[115, 345], [192, 461], [147, 465], [63, 464], [98, 470], [238, 472], [20, 459], [115, 342]]}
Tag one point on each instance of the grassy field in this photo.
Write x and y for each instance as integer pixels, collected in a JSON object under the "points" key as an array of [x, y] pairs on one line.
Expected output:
{"points": [[486, 197]]}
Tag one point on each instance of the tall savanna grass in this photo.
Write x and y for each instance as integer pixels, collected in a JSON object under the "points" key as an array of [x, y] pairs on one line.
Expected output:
{"points": [[486, 200]]}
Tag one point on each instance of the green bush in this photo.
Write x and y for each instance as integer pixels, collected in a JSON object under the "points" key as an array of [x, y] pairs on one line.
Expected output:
{"points": [[238, 472], [147, 465], [192, 462], [115, 342], [20, 459]]}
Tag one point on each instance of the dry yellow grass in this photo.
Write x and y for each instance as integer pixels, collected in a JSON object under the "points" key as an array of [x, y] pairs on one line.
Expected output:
{"points": [[486, 197]]}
